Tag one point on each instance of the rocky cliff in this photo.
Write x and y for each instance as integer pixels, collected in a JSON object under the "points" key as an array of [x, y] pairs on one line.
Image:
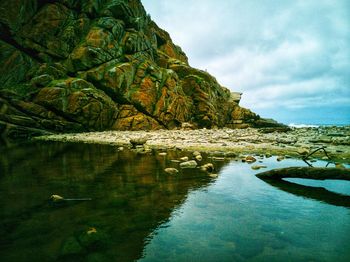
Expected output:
{"points": [[83, 65]]}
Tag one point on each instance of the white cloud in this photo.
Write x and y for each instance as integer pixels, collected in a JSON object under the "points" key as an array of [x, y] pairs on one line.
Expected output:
{"points": [[287, 54]]}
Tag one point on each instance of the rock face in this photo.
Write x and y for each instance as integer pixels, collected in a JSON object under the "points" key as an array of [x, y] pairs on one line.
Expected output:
{"points": [[88, 65]]}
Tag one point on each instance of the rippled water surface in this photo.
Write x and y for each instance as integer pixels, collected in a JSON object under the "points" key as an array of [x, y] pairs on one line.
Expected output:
{"points": [[138, 212]]}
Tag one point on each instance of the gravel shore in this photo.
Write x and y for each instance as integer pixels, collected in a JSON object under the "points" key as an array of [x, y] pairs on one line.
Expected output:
{"points": [[297, 142]]}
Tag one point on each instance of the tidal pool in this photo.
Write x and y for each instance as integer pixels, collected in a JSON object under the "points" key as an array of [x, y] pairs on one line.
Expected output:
{"points": [[138, 212]]}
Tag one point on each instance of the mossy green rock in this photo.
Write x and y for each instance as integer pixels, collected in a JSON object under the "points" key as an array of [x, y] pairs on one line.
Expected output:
{"points": [[102, 65], [86, 242], [71, 247], [93, 239]]}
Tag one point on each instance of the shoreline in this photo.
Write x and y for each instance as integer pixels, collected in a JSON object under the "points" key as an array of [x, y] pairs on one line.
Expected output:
{"points": [[294, 143]]}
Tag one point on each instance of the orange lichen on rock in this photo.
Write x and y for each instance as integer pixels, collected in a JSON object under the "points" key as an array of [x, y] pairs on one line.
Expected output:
{"points": [[100, 66]]}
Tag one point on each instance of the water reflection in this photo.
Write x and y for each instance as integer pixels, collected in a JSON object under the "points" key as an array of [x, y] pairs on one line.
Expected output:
{"points": [[317, 193], [242, 218], [131, 196], [140, 212]]}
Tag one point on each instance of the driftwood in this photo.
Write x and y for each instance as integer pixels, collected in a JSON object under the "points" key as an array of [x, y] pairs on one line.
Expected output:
{"points": [[319, 173], [313, 152], [60, 199]]}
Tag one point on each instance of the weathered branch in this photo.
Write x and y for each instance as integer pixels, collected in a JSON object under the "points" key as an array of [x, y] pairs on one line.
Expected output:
{"points": [[313, 152]]}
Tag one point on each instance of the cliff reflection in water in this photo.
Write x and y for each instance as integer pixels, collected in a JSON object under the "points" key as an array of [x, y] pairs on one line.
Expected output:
{"points": [[131, 197]]}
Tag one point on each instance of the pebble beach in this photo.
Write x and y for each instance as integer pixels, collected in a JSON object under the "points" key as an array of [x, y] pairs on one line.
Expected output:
{"points": [[298, 142]]}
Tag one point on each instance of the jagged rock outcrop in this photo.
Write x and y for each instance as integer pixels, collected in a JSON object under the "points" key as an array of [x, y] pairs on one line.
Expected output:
{"points": [[74, 65]]}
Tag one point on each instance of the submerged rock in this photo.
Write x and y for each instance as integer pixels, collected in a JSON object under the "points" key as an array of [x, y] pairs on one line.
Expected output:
{"points": [[71, 247], [171, 170], [249, 159], [93, 239], [56, 199], [257, 167], [280, 158], [91, 230]]}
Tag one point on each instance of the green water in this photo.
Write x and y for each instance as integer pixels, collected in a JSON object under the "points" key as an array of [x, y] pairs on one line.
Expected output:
{"points": [[138, 212]]}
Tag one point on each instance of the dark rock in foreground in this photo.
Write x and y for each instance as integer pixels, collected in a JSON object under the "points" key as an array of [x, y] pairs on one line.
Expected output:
{"points": [[318, 173], [102, 65]]}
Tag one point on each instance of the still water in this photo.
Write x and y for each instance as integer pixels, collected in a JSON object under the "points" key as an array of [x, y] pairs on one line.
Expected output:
{"points": [[138, 212]]}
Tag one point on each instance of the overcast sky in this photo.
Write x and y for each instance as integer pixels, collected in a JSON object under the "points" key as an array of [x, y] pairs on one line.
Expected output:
{"points": [[291, 59]]}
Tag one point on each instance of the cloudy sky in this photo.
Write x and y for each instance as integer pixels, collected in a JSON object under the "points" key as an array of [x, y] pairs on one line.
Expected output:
{"points": [[290, 58]]}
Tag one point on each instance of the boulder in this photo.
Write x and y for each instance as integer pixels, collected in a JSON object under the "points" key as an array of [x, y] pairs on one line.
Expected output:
{"points": [[198, 158], [188, 164], [185, 158], [249, 159], [196, 153], [209, 167]]}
